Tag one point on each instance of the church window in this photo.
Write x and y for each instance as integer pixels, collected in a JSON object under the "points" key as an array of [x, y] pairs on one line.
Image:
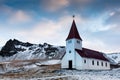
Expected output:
{"points": [[84, 61], [98, 63], [93, 62], [101, 63], [78, 41], [69, 51], [69, 41], [106, 64]]}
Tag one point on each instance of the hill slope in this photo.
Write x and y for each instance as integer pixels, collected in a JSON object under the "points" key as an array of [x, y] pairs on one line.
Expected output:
{"points": [[115, 57]]}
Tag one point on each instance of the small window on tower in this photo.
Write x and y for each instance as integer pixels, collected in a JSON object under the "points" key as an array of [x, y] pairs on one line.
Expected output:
{"points": [[78, 41], [69, 51], [69, 41]]}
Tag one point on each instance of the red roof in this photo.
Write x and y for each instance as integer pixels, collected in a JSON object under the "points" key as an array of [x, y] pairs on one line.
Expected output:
{"points": [[74, 32], [91, 54]]}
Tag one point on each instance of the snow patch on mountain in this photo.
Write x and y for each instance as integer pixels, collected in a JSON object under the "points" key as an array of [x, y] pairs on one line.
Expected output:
{"points": [[115, 57]]}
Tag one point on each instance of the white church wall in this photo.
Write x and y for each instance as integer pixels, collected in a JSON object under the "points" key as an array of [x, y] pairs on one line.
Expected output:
{"points": [[64, 62], [70, 54], [77, 44], [95, 64], [71, 45], [79, 64], [85, 63]]}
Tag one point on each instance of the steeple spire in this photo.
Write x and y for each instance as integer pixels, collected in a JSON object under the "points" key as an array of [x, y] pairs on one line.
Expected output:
{"points": [[74, 32]]}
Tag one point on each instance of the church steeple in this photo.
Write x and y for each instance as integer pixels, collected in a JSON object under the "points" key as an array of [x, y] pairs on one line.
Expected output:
{"points": [[74, 32]]}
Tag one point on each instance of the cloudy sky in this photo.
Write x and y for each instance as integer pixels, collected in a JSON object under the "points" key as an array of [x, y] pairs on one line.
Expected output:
{"points": [[39, 21]]}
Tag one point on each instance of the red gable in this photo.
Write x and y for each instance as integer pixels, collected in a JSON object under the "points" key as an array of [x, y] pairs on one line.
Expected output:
{"points": [[73, 32], [91, 54]]}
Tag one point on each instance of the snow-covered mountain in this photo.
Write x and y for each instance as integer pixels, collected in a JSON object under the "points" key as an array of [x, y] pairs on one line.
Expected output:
{"points": [[115, 57], [17, 50]]}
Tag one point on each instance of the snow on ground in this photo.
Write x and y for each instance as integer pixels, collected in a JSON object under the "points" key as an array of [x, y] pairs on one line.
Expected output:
{"points": [[94, 75], [51, 62], [79, 75], [30, 66]]}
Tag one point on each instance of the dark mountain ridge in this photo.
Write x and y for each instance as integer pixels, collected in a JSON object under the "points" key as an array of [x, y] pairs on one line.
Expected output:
{"points": [[9, 49], [15, 46]]}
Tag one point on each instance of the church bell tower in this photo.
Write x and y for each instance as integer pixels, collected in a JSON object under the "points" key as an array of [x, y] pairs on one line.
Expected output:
{"points": [[73, 41]]}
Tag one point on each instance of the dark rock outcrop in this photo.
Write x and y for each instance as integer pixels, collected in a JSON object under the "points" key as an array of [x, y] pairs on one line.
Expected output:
{"points": [[9, 49]]}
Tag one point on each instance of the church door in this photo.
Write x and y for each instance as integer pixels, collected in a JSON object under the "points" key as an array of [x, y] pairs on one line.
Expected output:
{"points": [[70, 64]]}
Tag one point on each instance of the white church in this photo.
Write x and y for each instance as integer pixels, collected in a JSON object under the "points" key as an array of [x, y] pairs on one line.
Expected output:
{"points": [[80, 58]]}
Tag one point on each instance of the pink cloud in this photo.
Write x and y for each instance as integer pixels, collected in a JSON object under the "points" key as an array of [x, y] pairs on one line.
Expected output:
{"points": [[19, 17], [53, 5]]}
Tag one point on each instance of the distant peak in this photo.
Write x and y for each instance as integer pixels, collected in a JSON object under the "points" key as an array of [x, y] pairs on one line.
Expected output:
{"points": [[15, 40]]}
